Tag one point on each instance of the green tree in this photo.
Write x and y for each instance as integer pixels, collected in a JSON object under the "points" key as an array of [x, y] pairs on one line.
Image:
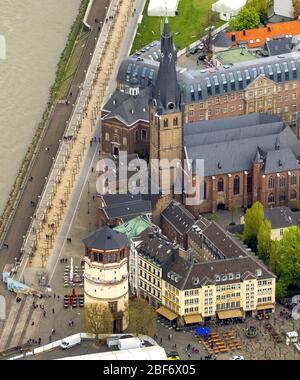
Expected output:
{"points": [[290, 252], [247, 18], [98, 321], [275, 259], [264, 240], [285, 260], [253, 219], [262, 8], [142, 317]]}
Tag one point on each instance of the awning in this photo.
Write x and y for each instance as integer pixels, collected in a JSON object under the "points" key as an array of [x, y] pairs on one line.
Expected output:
{"points": [[224, 314], [166, 313], [193, 318], [265, 306]]}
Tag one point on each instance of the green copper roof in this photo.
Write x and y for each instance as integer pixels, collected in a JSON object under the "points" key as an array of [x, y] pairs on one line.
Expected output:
{"points": [[133, 227]]}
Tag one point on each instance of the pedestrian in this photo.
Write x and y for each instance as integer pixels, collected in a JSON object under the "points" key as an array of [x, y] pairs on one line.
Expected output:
{"points": [[32, 323], [52, 331], [71, 94], [58, 298], [50, 338], [53, 311], [170, 336], [95, 138], [44, 313], [93, 197], [40, 340], [160, 340], [92, 170], [98, 139]]}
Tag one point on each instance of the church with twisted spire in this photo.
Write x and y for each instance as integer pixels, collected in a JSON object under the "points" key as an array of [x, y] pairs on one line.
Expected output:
{"points": [[250, 155]]}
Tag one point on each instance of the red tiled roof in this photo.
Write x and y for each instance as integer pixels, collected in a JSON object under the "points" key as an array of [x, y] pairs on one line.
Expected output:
{"points": [[257, 37]]}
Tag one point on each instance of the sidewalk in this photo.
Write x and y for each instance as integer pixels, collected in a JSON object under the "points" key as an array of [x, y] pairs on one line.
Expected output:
{"points": [[43, 162]]}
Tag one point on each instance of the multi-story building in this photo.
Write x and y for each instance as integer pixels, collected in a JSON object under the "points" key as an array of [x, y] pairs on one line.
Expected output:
{"points": [[176, 221], [246, 158], [218, 280], [106, 273], [154, 253]]}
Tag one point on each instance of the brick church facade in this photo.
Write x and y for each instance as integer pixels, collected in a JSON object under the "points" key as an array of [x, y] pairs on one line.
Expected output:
{"points": [[239, 120]]}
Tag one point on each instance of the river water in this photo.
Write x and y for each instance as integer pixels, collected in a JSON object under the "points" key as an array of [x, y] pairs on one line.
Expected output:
{"points": [[35, 32]]}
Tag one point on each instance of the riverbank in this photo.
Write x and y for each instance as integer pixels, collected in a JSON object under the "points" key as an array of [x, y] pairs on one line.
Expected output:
{"points": [[22, 176]]}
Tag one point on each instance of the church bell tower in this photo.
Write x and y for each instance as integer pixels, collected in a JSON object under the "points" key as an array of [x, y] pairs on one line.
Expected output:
{"points": [[165, 113]]}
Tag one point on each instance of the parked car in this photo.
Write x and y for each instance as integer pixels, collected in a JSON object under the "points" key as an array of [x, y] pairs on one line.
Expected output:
{"points": [[70, 342], [194, 50]]}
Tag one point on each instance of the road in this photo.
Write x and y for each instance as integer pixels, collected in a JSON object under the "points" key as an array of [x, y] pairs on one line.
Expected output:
{"points": [[55, 132]]}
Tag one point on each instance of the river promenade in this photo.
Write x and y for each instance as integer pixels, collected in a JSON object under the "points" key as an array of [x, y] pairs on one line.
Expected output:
{"points": [[49, 145]]}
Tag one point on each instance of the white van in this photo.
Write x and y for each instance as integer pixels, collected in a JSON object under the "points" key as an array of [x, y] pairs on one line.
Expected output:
{"points": [[71, 341]]}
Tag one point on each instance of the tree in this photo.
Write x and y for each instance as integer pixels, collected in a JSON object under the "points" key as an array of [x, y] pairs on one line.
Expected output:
{"points": [[264, 240], [290, 252], [142, 317], [296, 6], [247, 18], [253, 219], [98, 320], [275, 259], [262, 8], [285, 260]]}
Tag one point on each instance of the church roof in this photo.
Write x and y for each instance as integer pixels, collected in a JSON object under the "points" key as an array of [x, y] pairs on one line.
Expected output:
{"points": [[127, 108], [230, 145]]}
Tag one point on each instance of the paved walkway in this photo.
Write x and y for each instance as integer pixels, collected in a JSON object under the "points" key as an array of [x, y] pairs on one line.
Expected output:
{"points": [[78, 220], [54, 133]]}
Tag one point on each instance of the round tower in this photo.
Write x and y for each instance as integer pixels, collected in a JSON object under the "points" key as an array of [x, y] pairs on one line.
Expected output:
{"points": [[106, 273]]}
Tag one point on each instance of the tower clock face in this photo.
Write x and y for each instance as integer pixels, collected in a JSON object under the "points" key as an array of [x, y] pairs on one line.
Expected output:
{"points": [[171, 106]]}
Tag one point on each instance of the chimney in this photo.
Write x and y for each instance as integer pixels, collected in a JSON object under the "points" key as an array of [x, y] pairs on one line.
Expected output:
{"points": [[175, 253]]}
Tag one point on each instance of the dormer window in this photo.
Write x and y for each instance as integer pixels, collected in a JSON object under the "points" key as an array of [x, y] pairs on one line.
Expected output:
{"points": [[238, 276]]}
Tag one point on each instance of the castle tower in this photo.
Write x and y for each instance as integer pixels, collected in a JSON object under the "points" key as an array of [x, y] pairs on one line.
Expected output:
{"points": [[106, 273], [165, 113]]}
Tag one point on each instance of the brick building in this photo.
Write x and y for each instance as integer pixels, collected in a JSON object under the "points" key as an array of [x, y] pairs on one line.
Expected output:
{"points": [[258, 155], [246, 159]]}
